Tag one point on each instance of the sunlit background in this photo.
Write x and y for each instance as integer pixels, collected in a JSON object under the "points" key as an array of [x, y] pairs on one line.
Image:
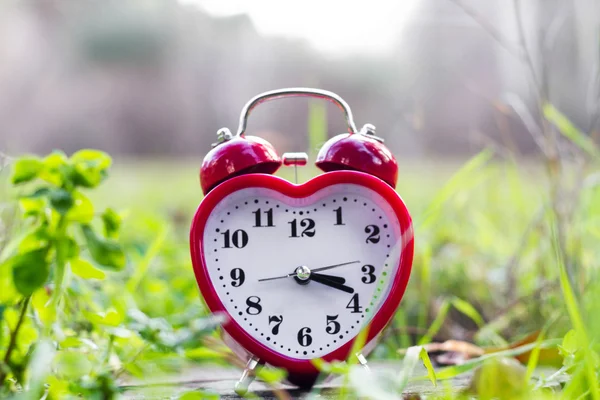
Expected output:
{"points": [[437, 77]]}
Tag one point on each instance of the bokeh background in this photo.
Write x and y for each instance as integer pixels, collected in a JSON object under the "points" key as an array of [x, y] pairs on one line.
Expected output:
{"points": [[492, 109], [158, 78]]}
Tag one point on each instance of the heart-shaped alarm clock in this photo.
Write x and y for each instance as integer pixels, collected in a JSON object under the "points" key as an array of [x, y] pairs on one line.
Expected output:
{"points": [[301, 269]]}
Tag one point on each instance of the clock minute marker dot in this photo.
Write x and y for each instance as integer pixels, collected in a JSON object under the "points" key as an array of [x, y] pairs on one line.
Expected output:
{"points": [[256, 201], [345, 199], [341, 336], [301, 212], [334, 200], [315, 210], [228, 213], [217, 230], [356, 200], [373, 210], [365, 204], [305, 353], [237, 207], [277, 206], [246, 203], [222, 221], [268, 339], [388, 246], [380, 217], [385, 225], [241, 313]]}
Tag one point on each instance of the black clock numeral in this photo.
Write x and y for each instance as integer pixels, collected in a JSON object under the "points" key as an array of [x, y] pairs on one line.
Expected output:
{"points": [[308, 225], [369, 274], [239, 238], [238, 276], [278, 319], [373, 232], [354, 305], [304, 339], [338, 216], [333, 326], [254, 307], [258, 218]]}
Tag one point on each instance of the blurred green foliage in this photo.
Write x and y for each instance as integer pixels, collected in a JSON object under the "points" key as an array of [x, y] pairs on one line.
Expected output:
{"points": [[91, 298]]}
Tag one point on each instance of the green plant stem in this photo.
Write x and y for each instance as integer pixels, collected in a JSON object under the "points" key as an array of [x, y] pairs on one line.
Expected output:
{"points": [[61, 260], [13, 338]]}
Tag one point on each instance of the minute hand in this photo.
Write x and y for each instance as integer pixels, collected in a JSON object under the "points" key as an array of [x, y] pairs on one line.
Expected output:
{"points": [[334, 266]]}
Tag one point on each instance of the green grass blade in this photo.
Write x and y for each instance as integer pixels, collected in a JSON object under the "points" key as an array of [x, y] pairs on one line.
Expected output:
{"points": [[455, 370], [456, 183], [570, 131], [468, 310], [437, 323]]}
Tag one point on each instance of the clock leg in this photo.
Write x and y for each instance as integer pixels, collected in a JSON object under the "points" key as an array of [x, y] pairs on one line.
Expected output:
{"points": [[241, 386], [363, 361]]}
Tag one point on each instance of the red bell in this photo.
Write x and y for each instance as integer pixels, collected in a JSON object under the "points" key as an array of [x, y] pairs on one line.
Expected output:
{"points": [[239, 155], [362, 152]]}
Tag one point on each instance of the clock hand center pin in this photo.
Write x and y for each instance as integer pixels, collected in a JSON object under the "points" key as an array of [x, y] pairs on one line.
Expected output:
{"points": [[302, 273]]}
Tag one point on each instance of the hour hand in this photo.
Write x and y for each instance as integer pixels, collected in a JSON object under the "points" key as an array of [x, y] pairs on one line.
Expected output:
{"points": [[325, 280]]}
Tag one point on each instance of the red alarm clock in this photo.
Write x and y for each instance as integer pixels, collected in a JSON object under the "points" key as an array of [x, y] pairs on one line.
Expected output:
{"points": [[301, 269]]}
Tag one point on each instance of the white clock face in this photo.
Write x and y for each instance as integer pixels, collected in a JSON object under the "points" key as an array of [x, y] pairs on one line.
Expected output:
{"points": [[256, 234]]}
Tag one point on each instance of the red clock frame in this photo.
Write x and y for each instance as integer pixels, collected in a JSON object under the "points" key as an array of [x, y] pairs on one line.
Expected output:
{"points": [[379, 320]]}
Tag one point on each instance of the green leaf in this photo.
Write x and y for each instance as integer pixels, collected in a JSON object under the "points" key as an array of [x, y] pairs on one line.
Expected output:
{"points": [[568, 130], [199, 395], [86, 270], [570, 343], [110, 318], [82, 210], [54, 167], [38, 238], [90, 167], [61, 200], [112, 223], [8, 292], [30, 271], [32, 206], [105, 252], [72, 364], [26, 169]]}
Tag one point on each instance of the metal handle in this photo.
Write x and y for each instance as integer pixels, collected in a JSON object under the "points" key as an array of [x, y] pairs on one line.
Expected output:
{"points": [[296, 92]]}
